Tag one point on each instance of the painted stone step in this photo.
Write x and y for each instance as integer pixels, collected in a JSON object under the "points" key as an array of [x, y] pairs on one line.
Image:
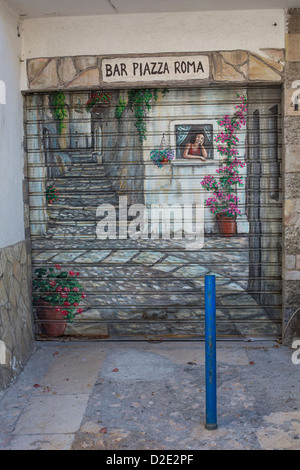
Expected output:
{"points": [[83, 188], [87, 199], [88, 169], [78, 182], [74, 180], [84, 158]]}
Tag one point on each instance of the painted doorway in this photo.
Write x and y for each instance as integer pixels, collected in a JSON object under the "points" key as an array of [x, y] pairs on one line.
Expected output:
{"points": [[137, 282]]}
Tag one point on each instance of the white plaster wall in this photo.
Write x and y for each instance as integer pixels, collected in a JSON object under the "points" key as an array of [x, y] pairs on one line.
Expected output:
{"points": [[152, 33], [11, 132], [179, 182]]}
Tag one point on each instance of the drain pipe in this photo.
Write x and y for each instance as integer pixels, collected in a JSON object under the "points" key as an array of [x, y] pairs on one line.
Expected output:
{"points": [[210, 353]]}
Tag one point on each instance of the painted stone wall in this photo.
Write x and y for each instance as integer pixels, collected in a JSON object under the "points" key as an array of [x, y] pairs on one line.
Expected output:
{"points": [[85, 72], [238, 67], [291, 202], [16, 327]]}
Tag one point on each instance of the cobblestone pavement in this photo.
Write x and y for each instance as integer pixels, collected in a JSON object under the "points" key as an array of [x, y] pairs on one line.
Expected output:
{"points": [[160, 274], [151, 396], [133, 284]]}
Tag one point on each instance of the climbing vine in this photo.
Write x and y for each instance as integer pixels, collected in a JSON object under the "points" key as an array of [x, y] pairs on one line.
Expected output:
{"points": [[139, 101], [59, 109], [224, 201]]}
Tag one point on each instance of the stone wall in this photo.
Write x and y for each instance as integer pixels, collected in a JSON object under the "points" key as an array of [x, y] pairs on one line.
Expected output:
{"points": [[85, 72], [16, 323], [291, 173]]}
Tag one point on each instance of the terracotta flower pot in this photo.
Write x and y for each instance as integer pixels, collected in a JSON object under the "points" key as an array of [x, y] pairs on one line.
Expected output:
{"points": [[227, 225], [52, 321], [164, 160]]}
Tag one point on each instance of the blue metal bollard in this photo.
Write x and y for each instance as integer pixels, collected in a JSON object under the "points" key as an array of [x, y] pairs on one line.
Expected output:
{"points": [[210, 353]]}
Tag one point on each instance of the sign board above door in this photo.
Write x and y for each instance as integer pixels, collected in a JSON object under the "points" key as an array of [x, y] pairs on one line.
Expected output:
{"points": [[160, 68]]}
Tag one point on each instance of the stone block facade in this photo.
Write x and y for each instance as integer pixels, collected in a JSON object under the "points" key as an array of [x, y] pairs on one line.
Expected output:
{"points": [[85, 71], [16, 322], [291, 180]]}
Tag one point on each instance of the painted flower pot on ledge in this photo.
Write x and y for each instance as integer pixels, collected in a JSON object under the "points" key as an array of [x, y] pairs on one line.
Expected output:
{"points": [[223, 187], [52, 322], [56, 296], [227, 225], [98, 102]]}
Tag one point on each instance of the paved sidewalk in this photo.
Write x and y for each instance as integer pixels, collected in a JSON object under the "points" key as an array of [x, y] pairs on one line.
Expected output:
{"points": [[139, 395]]}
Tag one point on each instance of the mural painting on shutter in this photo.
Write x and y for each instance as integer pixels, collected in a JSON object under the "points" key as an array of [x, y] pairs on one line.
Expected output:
{"points": [[91, 152]]}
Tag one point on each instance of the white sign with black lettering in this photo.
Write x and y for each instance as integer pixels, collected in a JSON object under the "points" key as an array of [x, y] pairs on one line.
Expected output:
{"points": [[145, 69]]}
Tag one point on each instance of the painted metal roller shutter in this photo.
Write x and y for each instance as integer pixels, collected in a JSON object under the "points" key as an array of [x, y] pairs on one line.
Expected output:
{"points": [[153, 286]]}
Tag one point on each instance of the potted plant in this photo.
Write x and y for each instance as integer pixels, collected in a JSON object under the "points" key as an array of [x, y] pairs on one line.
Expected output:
{"points": [[159, 157], [162, 155], [224, 203], [51, 194], [97, 100], [56, 296]]}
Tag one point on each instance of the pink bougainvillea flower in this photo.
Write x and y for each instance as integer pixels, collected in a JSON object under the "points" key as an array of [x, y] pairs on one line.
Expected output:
{"points": [[75, 289], [79, 310], [223, 201], [66, 289]]}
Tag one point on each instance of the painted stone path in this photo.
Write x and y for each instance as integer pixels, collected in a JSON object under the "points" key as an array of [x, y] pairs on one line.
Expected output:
{"points": [[146, 286]]}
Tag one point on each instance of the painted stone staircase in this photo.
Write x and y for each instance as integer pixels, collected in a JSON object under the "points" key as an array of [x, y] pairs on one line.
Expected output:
{"points": [[81, 191]]}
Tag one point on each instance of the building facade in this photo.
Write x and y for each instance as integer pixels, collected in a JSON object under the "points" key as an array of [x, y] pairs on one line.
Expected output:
{"points": [[72, 119]]}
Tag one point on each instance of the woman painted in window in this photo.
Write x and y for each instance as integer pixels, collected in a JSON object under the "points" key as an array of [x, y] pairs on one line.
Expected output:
{"points": [[195, 149]]}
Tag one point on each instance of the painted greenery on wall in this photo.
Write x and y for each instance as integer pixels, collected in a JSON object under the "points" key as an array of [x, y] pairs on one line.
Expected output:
{"points": [[139, 101], [59, 109], [224, 201]]}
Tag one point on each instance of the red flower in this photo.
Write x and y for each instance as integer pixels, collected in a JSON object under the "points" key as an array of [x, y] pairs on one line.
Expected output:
{"points": [[52, 283], [58, 289], [58, 309], [66, 289], [75, 304], [65, 313], [75, 289], [57, 266], [64, 296], [83, 295], [72, 273], [77, 274], [79, 310], [67, 304]]}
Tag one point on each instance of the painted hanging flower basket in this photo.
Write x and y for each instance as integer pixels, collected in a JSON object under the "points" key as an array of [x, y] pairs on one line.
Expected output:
{"points": [[97, 101], [162, 155]]}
